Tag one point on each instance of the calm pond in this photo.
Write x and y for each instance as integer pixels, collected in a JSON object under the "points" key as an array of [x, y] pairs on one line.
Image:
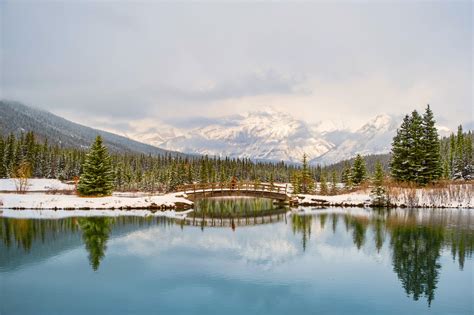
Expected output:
{"points": [[241, 256]]}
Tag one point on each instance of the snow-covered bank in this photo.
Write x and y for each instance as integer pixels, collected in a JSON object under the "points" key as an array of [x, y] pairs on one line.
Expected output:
{"points": [[452, 196], [35, 184], [349, 200], [73, 202]]}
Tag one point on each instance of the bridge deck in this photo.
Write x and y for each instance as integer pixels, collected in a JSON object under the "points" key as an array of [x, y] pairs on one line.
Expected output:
{"points": [[264, 190]]}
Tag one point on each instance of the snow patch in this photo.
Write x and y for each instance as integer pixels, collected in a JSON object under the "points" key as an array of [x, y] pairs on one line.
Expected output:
{"points": [[35, 184], [46, 201]]}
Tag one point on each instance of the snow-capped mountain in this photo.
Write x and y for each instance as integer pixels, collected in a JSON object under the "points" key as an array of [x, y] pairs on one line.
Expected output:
{"points": [[374, 137], [273, 135], [263, 135]]}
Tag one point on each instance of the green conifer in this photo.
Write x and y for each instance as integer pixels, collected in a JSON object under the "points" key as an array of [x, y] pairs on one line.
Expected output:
{"points": [[323, 186], [334, 183], [359, 171], [97, 177], [400, 151], [307, 183], [432, 165], [378, 191], [346, 176]]}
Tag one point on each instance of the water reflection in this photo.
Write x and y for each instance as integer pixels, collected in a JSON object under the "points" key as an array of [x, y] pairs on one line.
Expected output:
{"points": [[417, 238], [413, 239], [95, 233], [302, 225], [234, 212], [23, 232], [416, 250]]}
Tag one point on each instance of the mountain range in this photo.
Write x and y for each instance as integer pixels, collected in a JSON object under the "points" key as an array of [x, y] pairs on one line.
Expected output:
{"points": [[276, 136], [266, 135]]}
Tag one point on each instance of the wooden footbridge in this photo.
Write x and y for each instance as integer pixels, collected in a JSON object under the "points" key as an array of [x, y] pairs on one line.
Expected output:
{"points": [[277, 192]]}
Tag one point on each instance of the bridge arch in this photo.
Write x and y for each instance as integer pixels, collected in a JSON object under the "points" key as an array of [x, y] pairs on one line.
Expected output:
{"points": [[240, 189]]}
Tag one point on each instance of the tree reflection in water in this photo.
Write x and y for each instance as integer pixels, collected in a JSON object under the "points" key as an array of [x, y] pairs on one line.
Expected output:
{"points": [[415, 238], [415, 242], [24, 232], [416, 250], [95, 233], [302, 224]]}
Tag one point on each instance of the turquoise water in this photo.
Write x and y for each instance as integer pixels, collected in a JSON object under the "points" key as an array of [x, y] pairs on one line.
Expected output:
{"points": [[350, 261]]}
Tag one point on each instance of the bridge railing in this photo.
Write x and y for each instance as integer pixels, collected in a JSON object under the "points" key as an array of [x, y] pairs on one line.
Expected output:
{"points": [[238, 186]]}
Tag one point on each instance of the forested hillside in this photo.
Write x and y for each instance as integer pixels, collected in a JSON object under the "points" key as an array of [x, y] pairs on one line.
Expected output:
{"points": [[17, 118], [132, 171]]}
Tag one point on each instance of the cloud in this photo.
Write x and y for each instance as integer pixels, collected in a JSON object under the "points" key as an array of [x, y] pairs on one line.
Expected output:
{"points": [[265, 248], [251, 84], [119, 61]]}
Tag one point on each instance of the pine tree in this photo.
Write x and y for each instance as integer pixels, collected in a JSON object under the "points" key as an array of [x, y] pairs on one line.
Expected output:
{"points": [[323, 186], [468, 169], [271, 180], [359, 172], [3, 172], [333, 183], [204, 174], [296, 182], [346, 176], [467, 158], [416, 154], [452, 153], [307, 183], [400, 151], [415, 167], [446, 171], [432, 165], [9, 159], [97, 178], [459, 153], [378, 191]]}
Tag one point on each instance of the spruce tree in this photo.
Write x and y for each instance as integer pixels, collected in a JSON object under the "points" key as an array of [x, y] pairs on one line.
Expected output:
{"points": [[346, 176], [432, 165], [323, 187], [359, 171], [307, 184], [204, 175], [296, 182], [97, 177], [400, 151], [415, 166], [334, 183], [467, 158], [378, 191], [416, 154], [452, 152], [3, 172]]}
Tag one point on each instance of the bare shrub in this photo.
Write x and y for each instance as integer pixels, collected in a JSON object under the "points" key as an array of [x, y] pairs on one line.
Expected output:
{"points": [[22, 174]]}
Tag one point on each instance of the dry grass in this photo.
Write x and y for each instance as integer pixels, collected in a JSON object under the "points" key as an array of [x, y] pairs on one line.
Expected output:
{"points": [[442, 193]]}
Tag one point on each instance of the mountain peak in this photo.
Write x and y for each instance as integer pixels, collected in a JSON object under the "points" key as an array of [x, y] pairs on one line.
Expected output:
{"points": [[380, 123]]}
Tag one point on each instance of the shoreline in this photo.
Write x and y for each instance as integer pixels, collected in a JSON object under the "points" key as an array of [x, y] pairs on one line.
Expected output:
{"points": [[451, 197]]}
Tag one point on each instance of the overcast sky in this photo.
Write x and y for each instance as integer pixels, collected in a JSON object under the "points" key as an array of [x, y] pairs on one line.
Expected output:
{"points": [[108, 63]]}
